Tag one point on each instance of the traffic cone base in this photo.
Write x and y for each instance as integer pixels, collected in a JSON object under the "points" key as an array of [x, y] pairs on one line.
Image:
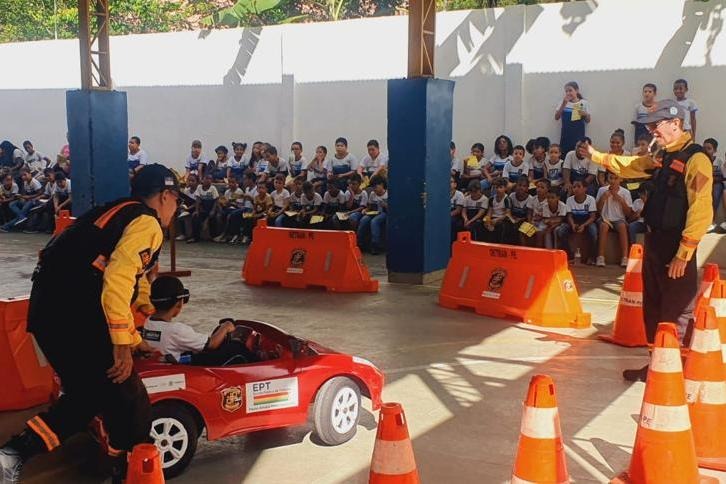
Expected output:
{"points": [[144, 465]]}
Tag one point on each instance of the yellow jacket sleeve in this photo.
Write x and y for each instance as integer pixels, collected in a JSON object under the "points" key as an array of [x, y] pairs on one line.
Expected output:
{"points": [[141, 238], [625, 166], [143, 299], [699, 184]]}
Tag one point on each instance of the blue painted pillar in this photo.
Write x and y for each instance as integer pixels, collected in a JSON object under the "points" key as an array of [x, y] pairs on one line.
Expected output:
{"points": [[98, 137], [419, 132]]}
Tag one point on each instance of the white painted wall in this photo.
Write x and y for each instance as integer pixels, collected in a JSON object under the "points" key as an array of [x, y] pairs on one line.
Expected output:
{"points": [[314, 82]]}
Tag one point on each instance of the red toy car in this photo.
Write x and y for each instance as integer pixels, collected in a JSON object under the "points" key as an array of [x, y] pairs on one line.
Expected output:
{"points": [[232, 400]]}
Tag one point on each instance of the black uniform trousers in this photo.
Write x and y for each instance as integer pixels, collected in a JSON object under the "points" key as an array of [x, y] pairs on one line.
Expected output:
{"points": [[80, 351], [667, 300]]}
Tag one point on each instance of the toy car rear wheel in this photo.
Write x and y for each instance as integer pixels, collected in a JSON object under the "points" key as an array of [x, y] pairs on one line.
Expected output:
{"points": [[337, 411], [175, 433]]}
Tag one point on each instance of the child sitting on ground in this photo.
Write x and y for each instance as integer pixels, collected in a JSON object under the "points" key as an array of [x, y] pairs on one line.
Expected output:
{"points": [[280, 199], [356, 201], [289, 216], [615, 205], [457, 205], [206, 198], [476, 167], [519, 202], [228, 343], [227, 205], [310, 203], [498, 223], [580, 226], [553, 166], [333, 202], [194, 165], [515, 167], [553, 214], [636, 219], [262, 203], [540, 148], [475, 209], [373, 223]]}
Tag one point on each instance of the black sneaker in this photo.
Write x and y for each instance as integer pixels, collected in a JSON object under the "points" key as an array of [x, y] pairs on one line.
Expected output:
{"points": [[640, 374], [10, 465]]}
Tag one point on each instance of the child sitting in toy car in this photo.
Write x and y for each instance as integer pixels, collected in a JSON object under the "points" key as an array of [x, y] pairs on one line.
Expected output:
{"points": [[228, 344]]}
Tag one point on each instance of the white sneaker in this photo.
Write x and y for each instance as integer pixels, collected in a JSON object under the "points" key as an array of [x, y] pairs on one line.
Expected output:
{"points": [[180, 238], [624, 262], [10, 465], [234, 240], [219, 238], [723, 225], [245, 240], [183, 214], [600, 261], [711, 228]]}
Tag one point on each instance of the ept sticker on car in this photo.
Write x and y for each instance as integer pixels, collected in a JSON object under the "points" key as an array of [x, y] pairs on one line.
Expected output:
{"points": [[271, 394]]}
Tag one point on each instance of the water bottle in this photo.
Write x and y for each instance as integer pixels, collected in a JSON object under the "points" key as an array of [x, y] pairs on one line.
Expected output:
{"points": [[578, 256]]}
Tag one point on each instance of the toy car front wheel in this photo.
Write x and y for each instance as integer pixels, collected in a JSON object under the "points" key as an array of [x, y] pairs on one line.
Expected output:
{"points": [[175, 434], [337, 411]]}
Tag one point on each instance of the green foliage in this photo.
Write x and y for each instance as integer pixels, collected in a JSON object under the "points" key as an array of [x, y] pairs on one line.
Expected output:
{"points": [[243, 12]]}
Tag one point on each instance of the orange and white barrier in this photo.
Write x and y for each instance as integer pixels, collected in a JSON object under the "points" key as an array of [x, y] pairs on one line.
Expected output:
{"points": [[664, 451], [540, 453], [706, 391], [629, 324], [393, 461], [144, 465], [532, 285], [26, 376], [306, 258]]}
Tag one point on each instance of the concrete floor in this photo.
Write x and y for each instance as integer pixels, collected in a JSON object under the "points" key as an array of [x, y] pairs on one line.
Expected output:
{"points": [[460, 377]]}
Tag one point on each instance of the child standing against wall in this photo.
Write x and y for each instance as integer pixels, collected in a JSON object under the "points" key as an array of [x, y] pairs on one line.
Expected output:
{"points": [[574, 113], [680, 90], [710, 146], [642, 109]]}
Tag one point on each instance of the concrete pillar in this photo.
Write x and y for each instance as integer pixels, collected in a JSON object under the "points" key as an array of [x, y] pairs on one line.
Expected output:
{"points": [[98, 137], [287, 114], [418, 226]]}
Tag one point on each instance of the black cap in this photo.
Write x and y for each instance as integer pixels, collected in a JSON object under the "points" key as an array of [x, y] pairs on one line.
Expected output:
{"points": [[167, 290], [152, 179], [666, 109]]}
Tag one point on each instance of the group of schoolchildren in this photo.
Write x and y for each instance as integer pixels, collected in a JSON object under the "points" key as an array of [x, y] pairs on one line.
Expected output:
{"points": [[225, 198], [33, 189]]}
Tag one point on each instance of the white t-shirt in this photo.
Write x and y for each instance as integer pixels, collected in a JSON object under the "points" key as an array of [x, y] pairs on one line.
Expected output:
{"points": [[235, 195], [335, 202], [250, 192], [457, 200], [476, 166], [9, 193], [193, 164], [499, 207], [359, 199], [690, 106], [612, 210], [308, 203], [32, 187], [641, 112], [36, 163], [498, 163], [317, 169], [296, 166], [554, 172], [512, 173], [581, 211], [296, 201], [139, 156], [538, 167], [519, 207], [49, 189], [66, 190], [638, 205], [380, 202], [472, 206], [282, 166], [172, 338], [348, 160], [457, 165], [547, 213], [536, 206], [370, 165], [210, 193], [582, 167], [279, 199]]}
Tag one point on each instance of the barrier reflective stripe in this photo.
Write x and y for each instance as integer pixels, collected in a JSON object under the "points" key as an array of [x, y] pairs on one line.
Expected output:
{"points": [[540, 423], [666, 360], [634, 265], [706, 340], [664, 418], [631, 298], [709, 392], [398, 457]]}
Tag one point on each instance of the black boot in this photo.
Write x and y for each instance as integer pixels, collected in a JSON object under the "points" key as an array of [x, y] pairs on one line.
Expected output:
{"points": [[640, 374], [16, 452]]}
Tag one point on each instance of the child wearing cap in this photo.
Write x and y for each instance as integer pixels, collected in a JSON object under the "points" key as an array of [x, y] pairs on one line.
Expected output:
{"points": [[227, 343]]}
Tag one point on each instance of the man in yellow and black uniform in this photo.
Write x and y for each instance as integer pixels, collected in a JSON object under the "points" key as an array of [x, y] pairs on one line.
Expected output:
{"points": [[89, 338], [677, 214]]}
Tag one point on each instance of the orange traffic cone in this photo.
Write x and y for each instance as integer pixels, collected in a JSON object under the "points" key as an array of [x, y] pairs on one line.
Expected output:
{"points": [[710, 276], [144, 465], [629, 325], [706, 391], [540, 454], [718, 303], [664, 451], [393, 461]]}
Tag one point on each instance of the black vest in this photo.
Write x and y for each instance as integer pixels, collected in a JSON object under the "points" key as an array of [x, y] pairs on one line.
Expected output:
{"points": [[70, 268], [667, 206]]}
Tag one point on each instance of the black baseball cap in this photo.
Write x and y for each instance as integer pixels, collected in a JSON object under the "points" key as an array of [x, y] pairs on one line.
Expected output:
{"points": [[665, 109], [167, 290], [153, 179]]}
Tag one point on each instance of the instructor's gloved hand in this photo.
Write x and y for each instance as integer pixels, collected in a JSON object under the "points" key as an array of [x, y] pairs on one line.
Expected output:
{"points": [[123, 363]]}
